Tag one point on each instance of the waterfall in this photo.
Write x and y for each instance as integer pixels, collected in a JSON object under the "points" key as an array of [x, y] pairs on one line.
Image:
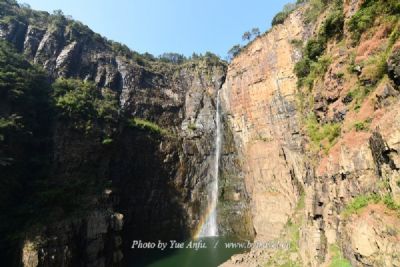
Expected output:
{"points": [[210, 227]]}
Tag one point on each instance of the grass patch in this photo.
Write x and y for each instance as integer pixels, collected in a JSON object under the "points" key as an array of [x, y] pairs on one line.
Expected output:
{"points": [[358, 95], [317, 71], [107, 141], [147, 126], [361, 201], [375, 68], [362, 125], [292, 229], [301, 204], [390, 203], [337, 257], [281, 258], [322, 136]]}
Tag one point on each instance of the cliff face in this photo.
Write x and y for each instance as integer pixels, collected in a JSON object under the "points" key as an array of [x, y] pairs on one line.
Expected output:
{"points": [[259, 98], [154, 177], [320, 194], [310, 154]]}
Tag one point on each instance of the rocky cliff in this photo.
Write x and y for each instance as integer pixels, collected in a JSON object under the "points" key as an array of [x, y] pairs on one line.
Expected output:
{"points": [[310, 151], [142, 172], [320, 148]]}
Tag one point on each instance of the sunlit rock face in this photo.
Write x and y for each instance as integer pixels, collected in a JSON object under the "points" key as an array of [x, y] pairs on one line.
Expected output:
{"points": [[259, 100]]}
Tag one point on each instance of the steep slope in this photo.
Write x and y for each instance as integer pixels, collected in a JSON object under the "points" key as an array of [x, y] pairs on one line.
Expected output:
{"points": [[310, 158], [259, 98], [320, 149], [130, 146]]}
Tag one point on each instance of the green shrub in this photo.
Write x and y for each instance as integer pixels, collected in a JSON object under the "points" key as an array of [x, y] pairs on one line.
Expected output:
{"points": [[147, 125], [320, 67], [318, 133], [303, 67], [362, 20], [317, 70], [358, 95], [365, 17], [75, 98], [362, 125], [340, 75], [279, 18], [337, 257], [107, 141], [311, 66], [83, 101], [394, 36], [315, 9], [333, 25], [11, 121], [106, 105], [315, 48]]}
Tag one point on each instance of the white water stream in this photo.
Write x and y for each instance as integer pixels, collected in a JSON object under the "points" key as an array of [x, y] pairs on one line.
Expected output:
{"points": [[210, 227]]}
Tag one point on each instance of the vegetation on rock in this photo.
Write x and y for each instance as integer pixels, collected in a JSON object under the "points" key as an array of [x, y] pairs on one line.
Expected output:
{"points": [[337, 257], [324, 135], [25, 113], [362, 201], [370, 10], [281, 16], [147, 125], [78, 100]]}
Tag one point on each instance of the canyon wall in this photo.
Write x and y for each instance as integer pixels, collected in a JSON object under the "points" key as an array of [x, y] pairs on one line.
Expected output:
{"points": [[152, 181], [259, 101], [298, 191], [312, 161]]}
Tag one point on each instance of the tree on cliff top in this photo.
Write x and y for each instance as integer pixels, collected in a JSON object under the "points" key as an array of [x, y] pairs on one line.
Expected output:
{"points": [[255, 32], [246, 36], [234, 51]]}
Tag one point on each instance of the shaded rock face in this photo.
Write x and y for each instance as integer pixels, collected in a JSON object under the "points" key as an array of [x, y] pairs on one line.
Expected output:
{"points": [[394, 65], [154, 183], [235, 217]]}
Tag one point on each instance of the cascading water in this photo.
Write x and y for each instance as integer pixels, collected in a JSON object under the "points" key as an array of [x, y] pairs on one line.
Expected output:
{"points": [[210, 227]]}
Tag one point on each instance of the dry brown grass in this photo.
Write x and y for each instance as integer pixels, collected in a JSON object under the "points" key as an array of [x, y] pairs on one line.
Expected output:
{"points": [[373, 45]]}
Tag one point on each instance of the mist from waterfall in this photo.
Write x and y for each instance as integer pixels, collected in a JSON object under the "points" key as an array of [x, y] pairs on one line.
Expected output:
{"points": [[210, 227]]}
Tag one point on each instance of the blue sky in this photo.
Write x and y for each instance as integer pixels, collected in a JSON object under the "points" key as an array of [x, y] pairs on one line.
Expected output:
{"points": [[158, 26]]}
